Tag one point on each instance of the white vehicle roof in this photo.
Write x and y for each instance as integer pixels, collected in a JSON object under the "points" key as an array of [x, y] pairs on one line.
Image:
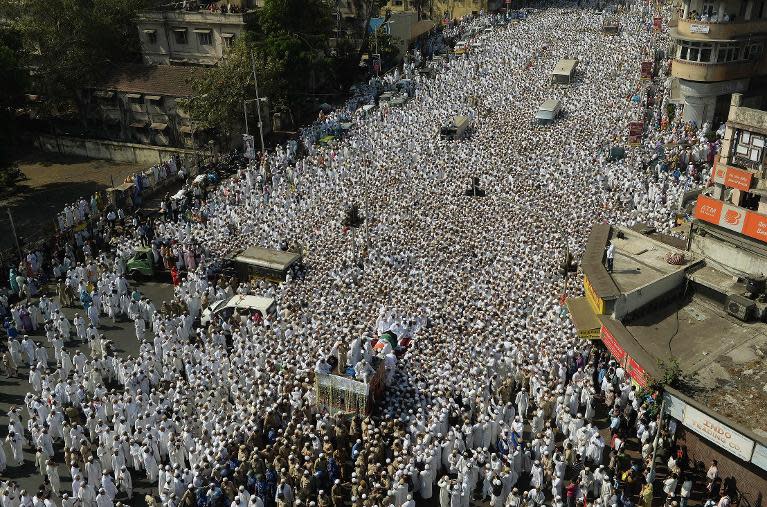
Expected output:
{"points": [[259, 303]]}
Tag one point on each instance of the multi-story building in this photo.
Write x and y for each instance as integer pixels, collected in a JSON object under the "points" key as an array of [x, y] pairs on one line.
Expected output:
{"points": [[140, 104], [719, 49], [698, 308], [444, 9], [191, 36]]}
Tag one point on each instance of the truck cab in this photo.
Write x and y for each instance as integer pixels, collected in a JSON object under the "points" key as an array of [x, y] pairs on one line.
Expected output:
{"points": [[141, 265]]}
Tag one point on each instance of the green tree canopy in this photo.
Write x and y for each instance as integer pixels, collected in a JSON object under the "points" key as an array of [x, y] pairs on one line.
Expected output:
{"points": [[289, 46], [69, 43]]}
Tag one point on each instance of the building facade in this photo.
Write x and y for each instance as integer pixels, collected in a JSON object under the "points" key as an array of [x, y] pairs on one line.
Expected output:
{"points": [[718, 49], [444, 9], [189, 37], [141, 105]]}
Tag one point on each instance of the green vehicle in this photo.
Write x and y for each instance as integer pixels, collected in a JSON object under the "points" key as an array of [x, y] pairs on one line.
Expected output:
{"points": [[142, 266]]}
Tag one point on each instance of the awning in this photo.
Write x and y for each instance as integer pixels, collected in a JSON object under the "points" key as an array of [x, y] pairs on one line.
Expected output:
{"points": [[179, 29], [227, 35], [138, 124], [153, 97], [584, 318], [149, 30], [102, 94], [158, 126], [133, 95], [201, 30]]}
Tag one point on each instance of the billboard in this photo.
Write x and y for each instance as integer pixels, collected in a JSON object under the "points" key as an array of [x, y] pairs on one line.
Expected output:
{"points": [[732, 177], [708, 209]]}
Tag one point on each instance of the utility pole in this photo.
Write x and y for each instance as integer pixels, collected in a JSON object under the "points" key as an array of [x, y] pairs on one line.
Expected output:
{"points": [[245, 109], [258, 104], [15, 236]]}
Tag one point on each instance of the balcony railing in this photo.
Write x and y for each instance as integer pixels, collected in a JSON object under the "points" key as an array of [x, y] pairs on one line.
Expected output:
{"points": [[705, 72], [724, 30]]}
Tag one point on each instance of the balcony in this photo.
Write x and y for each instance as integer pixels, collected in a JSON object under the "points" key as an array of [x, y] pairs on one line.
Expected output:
{"points": [[201, 16], [707, 30], [709, 72]]}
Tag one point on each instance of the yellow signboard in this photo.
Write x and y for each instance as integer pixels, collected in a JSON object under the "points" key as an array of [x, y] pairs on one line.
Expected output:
{"points": [[597, 303]]}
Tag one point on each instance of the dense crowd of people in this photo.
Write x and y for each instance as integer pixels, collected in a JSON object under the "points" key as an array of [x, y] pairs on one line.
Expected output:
{"points": [[495, 399]]}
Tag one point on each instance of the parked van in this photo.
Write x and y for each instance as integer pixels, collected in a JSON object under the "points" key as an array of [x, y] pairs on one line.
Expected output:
{"points": [[549, 111], [257, 262], [247, 307], [564, 72], [456, 129]]}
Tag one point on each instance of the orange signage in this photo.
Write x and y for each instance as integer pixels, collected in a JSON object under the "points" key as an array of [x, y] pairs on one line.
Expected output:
{"points": [[738, 178], [708, 209], [732, 177], [755, 226]]}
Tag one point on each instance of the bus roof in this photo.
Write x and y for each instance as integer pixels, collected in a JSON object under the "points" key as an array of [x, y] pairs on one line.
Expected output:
{"points": [[268, 258], [565, 67]]}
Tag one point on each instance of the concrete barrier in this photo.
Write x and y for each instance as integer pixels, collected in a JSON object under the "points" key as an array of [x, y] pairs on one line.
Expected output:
{"points": [[110, 150]]}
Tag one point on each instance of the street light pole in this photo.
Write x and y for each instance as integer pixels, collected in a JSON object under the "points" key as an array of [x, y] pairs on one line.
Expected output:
{"points": [[258, 104], [15, 236]]}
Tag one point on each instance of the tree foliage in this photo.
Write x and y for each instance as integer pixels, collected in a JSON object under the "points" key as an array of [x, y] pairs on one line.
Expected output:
{"points": [[289, 45], [12, 87], [69, 43]]}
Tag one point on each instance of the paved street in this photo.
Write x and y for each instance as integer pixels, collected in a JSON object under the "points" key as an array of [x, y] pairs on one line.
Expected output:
{"points": [[12, 392]]}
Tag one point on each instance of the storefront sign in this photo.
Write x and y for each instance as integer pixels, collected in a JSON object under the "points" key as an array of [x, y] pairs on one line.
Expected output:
{"points": [[760, 456], [755, 226], [708, 209], [722, 435], [699, 28], [636, 371], [596, 302], [732, 177], [612, 345], [732, 217], [674, 406]]}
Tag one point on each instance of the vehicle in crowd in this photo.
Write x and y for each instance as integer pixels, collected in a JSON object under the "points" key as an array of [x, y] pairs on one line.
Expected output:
{"points": [[564, 72], [461, 47], [246, 306], [142, 265], [456, 129], [548, 111], [266, 263]]}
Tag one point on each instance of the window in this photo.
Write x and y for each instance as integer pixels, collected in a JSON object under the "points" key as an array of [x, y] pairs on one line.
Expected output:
{"points": [[151, 36], [708, 9], [204, 38], [729, 52], [752, 51], [693, 51], [180, 35], [749, 149], [227, 39]]}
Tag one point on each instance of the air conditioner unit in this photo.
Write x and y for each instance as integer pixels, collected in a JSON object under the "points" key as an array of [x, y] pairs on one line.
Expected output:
{"points": [[740, 307]]}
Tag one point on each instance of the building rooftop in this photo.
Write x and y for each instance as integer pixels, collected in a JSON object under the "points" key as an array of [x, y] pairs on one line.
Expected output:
{"points": [[640, 260], [169, 80], [724, 356]]}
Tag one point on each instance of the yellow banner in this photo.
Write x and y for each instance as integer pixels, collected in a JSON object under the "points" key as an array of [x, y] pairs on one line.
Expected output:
{"points": [[597, 303]]}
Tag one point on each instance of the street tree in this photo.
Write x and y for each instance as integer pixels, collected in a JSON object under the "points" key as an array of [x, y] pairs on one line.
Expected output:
{"points": [[70, 43]]}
